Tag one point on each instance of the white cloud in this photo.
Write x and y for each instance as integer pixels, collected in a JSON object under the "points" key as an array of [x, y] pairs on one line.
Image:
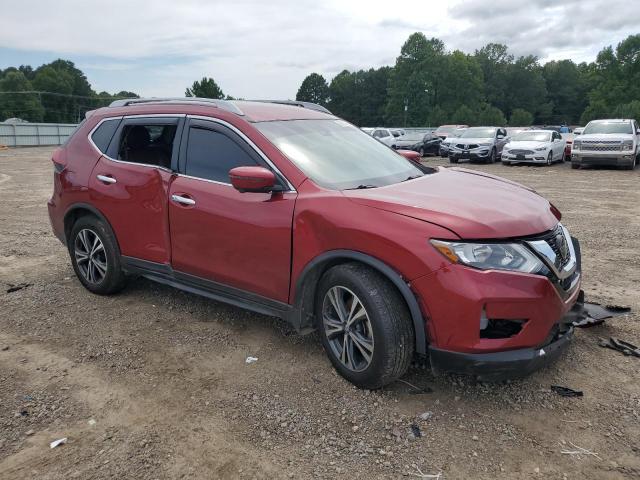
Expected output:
{"points": [[263, 49]]}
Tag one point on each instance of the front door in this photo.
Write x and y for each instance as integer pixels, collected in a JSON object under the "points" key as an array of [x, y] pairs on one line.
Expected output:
{"points": [[242, 240]]}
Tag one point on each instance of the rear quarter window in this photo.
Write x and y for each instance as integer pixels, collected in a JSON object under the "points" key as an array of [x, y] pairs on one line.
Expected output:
{"points": [[102, 135]]}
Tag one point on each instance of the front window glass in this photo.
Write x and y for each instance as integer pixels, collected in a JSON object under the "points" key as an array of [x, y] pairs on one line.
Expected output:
{"points": [[337, 155], [478, 132], [607, 127], [532, 137]]}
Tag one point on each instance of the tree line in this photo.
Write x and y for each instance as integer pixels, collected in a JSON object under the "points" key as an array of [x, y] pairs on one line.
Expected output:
{"points": [[427, 86], [56, 92], [430, 86]]}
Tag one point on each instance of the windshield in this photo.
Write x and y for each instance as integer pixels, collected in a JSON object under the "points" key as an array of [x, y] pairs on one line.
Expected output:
{"points": [[607, 127], [478, 132], [413, 136], [446, 129], [337, 155], [532, 137]]}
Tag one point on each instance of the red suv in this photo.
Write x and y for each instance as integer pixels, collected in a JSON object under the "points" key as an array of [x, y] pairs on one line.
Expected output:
{"points": [[292, 212]]}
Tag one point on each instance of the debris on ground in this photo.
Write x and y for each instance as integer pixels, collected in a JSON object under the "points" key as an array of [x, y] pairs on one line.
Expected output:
{"points": [[566, 391], [591, 314], [251, 359], [426, 415], [417, 390], [18, 286], [415, 430], [418, 473], [56, 443], [621, 346], [91, 422], [579, 451]]}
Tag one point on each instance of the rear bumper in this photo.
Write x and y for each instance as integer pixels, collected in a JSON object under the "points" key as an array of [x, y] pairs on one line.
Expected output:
{"points": [[499, 366]]}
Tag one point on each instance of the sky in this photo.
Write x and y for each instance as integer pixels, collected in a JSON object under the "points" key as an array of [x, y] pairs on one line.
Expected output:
{"points": [[265, 48]]}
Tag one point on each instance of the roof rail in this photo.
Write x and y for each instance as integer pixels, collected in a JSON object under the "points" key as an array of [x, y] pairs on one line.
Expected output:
{"points": [[298, 103], [223, 104]]}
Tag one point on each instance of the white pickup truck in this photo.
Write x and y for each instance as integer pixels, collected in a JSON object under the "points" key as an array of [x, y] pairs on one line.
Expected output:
{"points": [[607, 142]]}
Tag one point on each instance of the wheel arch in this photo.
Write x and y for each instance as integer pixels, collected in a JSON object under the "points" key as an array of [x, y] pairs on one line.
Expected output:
{"points": [[307, 283], [77, 210]]}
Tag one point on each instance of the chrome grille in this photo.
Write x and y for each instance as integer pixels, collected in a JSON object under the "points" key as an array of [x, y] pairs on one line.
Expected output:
{"points": [[602, 146], [465, 146], [557, 250], [521, 152]]}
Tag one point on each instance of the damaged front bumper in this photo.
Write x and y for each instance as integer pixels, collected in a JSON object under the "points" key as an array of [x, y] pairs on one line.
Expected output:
{"points": [[510, 364]]}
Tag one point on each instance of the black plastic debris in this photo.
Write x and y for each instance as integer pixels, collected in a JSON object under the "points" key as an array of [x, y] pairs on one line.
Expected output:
{"points": [[566, 391], [621, 346], [18, 286], [415, 429], [587, 314]]}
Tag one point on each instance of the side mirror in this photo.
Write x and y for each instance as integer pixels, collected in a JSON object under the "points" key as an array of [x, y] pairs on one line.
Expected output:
{"points": [[253, 179]]}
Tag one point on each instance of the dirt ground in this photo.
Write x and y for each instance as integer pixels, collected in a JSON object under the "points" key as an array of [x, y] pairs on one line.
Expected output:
{"points": [[152, 383]]}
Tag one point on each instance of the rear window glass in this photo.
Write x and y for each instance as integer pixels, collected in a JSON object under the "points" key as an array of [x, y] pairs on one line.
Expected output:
{"points": [[104, 133]]}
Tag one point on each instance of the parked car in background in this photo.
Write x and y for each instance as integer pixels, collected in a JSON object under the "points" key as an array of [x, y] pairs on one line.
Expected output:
{"points": [[512, 131], [385, 136], [423, 143], [578, 131], [397, 132], [534, 146], [443, 131], [295, 213], [611, 142], [479, 143], [445, 145], [367, 130], [410, 155]]}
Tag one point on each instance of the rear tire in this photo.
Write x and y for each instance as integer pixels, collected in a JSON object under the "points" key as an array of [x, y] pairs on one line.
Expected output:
{"points": [[358, 311], [95, 256], [453, 160], [492, 157], [575, 166]]}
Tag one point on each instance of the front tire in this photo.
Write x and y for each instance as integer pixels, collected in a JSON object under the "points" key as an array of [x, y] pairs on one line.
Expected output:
{"points": [[453, 160], [550, 158], [492, 157], [575, 166], [365, 325], [95, 256]]}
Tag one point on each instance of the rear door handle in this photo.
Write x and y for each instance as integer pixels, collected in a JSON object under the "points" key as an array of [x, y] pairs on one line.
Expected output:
{"points": [[183, 200], [106, 179]]}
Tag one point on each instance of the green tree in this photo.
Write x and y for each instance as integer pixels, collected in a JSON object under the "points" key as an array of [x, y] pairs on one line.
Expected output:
{"points": [[20, 105], [527, 88], [314, 89], [57, 90], [628, 110], [520, 118], [596, 109], [205, 88], [491, 116], [416, 82], [464, 116], [566, 89], [495, 61]]}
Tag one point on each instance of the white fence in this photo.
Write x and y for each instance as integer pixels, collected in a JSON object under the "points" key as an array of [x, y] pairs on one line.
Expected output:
{"points": [[34, 134]]}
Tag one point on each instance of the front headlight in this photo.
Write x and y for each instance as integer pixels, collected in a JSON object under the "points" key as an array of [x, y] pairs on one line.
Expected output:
{"points": [[490, 256], [627, 145], [540, 149], [576, 145]]}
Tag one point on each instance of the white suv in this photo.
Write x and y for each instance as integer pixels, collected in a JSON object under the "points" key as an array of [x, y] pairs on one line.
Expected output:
{"points": [[385, 136], [607, 142]]}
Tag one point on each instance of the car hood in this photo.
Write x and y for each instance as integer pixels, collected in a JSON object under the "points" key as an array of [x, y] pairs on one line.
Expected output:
{"points": [[469, 141], [408, 142], [527, 144], [473, 205], [607, 136]]}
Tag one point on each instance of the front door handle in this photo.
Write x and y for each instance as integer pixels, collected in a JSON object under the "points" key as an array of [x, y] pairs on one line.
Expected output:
{"points": [[106, 179], [183, 200]]}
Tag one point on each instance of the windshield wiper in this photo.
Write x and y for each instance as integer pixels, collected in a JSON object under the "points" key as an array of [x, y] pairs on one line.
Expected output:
{"points": [[411, 177], [362, 187]]}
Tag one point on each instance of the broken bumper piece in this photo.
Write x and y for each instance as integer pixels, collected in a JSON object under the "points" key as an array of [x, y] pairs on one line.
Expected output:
{"points": [[498, 366]]}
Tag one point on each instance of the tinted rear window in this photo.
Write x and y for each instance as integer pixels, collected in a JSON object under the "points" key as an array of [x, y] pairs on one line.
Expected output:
{"points": [[104, 133]]}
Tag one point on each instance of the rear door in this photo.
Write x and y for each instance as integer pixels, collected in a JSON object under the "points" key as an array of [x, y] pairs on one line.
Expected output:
{"points": [[241, 240], [130, 183]]}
